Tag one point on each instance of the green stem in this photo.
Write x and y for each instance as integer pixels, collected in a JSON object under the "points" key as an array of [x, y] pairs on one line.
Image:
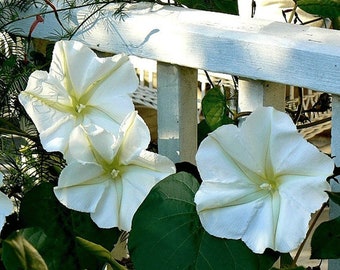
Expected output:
{"points": [[292, 14]]}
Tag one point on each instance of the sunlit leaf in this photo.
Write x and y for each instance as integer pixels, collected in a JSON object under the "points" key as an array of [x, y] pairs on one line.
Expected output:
{"points": [[214, 108], [18, 253], [167, 234], [325, 242]]}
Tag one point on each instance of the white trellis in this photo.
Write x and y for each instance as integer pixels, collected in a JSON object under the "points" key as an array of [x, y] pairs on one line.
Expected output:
{"points": [[266, 55]]}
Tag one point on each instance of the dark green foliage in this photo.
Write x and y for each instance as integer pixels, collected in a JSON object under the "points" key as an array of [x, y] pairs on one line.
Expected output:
{"points": [[170, 236], [215, 109], [322, 8], [54, 229], [334, 196], [19, 254], [326, 240], [224, 6]]}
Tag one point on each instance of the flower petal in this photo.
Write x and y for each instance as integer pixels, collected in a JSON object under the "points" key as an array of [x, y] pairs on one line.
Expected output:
{"points": [[225, 195], [158, 165], [121, 80], [80, 88], [292, 225], [81, 173], [48, 91], [80, 186], [80, 70], [108, 211], [292, 158], [6, 206], [312, 188], [137, 183], [134, 137], [261, 231], [73, 197], [224, 156], [56, 138], [109, 115], [91, 143], [230, 210], [50, 109]]}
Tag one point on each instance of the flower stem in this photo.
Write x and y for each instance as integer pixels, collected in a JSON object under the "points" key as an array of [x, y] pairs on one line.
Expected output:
{"points": [[292, 14], [312, 225]]}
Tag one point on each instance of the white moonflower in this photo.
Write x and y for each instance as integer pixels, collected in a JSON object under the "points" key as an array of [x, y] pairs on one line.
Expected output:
{"points": [[80, 88], [109, 177], [6, 206], [261, 182]]}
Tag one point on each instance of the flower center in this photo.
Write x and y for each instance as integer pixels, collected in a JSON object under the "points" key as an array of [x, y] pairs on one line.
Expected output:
{"points": [[266, 186], [114, 173], [80, 107]]}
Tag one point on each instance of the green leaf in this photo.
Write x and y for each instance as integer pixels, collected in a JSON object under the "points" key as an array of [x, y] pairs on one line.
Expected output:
{"points": [[19, 254], [35, 236], [224, 6], [325, 241], [334, 196], [55, 228], [167, 234], [214, 108], [286, 259], [322, 8], [202, 131], [100, 252]]}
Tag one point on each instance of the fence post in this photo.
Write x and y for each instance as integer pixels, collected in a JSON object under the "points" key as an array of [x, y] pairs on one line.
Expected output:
{"points": [[254, 93], [177, 112], [334, 210]]}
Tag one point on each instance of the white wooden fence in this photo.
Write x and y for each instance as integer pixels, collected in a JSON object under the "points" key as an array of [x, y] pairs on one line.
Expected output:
{"points": [[266, 56]]}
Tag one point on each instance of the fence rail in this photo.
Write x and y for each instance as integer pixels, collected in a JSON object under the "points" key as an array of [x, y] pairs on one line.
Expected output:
{"points": [[265, 55]]}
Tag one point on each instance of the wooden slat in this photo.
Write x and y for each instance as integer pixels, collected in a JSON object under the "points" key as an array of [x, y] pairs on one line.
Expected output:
{"points": [[254, 93], [258, 49], [177, 112]]}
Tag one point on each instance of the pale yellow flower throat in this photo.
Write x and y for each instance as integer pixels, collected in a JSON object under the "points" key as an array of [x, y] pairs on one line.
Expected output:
{"points": [[266, 186], [80, 108]]}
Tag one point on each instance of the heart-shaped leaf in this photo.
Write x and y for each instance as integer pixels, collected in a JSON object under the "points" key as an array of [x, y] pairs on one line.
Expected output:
{"points": [[214, 108], [325, 242], [167, 234]]}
